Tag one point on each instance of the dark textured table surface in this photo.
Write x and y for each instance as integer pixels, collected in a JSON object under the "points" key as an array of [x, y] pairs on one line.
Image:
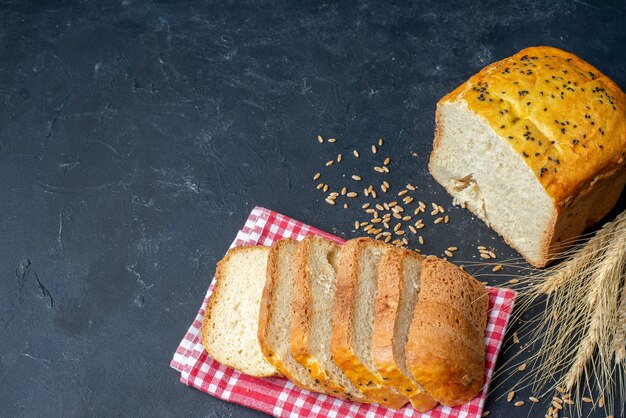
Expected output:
{"points": [[136, 136]]}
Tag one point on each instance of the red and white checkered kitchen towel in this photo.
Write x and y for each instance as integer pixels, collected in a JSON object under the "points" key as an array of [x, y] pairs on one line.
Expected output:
{"points": [[278, 396]]}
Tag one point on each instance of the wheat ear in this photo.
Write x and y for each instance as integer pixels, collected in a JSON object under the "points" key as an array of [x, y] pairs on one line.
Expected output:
{"points": [[580, 337], [619, 344]]}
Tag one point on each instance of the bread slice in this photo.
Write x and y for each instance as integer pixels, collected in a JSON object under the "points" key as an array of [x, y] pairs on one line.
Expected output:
{"points": [[275, 315], [398, 291], [445, 350], [534, 146], [229, 328], [315, 266], [353, 320]]}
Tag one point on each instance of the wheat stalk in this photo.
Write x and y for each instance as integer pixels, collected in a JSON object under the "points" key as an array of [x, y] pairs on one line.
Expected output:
{"points": [[620, 336], [580, 337], [607, 270], [619, 343]]}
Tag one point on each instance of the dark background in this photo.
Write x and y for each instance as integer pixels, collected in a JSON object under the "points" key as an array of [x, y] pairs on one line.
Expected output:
{"points": [[136, 136]]}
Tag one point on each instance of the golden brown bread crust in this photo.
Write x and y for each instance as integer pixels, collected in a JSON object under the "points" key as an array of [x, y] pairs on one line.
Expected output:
{"points": [[370, 384], [567, 119], [451, 312], [452, 378], [301, 322], [568, 122], [219, 286], [266, 315], [390, 293]]}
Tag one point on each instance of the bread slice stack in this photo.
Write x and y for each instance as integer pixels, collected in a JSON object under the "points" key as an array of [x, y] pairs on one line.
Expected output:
{"points": [[363, 321]]}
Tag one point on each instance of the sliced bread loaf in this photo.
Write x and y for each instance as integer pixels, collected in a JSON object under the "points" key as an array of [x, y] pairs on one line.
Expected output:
{"points": [[229, 329], [445, 350], [353, 320], [315, 274], [398, 291], [275, 315]]}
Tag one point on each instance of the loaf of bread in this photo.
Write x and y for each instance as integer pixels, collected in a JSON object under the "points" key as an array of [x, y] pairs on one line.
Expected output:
{"points": [[535, 146], [362, 321]]}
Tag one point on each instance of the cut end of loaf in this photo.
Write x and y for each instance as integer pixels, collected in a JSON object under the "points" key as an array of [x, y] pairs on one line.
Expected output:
{"points": [[485, 174]]}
